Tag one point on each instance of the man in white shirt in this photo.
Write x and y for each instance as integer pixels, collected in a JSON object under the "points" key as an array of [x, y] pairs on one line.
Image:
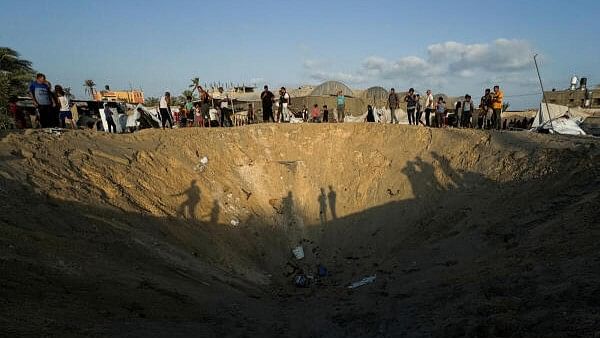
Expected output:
{"points": [[467, 112], [429, 106], [284, 102], [225, 111], [165, 110]]}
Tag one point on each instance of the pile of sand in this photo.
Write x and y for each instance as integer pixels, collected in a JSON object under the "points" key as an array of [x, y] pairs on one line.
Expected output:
{"points": [[190, 232]]}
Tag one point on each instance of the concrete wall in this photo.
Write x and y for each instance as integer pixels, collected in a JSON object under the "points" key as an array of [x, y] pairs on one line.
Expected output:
{"points": [[573, 98]]}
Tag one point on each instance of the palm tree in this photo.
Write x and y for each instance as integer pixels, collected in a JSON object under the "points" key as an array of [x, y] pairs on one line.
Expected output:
{"points": [[505, 106], [187, 93], [89, 87], [151, 101], [195, 84], [68, 93], [15, 75]]}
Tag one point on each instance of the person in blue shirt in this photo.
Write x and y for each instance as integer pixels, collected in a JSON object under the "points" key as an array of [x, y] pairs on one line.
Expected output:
{"points": [[43, 99]]}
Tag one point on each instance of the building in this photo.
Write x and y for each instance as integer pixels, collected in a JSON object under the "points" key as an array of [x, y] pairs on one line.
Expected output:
{"points": [[130, 96], [575, 96]]}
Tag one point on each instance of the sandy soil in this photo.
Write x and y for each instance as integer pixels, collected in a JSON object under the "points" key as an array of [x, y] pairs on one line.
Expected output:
{"points": [[469, 233]]}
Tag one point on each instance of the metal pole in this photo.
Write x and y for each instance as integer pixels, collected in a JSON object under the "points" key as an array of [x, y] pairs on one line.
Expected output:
{"points": [[543, 92]]}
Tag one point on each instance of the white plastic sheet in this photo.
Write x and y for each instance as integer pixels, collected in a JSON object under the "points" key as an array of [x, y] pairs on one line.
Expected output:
{"points": [[382, 115], [559, 119]]}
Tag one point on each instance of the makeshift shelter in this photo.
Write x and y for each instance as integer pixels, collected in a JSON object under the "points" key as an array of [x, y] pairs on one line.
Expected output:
{"points": [[331, 88], [553, 111], [559, 119], [376, 96], [382, 115]]}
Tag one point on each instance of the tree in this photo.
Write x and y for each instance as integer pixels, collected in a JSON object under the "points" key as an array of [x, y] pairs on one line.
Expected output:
{"points": [[187, 93], [195, 84], [151, 101], [505, 106], [68, 93], [90, 87], [181, 100], [15, 75]]}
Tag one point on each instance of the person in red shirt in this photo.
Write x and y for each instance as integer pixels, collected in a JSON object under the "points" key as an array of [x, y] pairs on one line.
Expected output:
{"points": [[315, 112], [15, 113]]}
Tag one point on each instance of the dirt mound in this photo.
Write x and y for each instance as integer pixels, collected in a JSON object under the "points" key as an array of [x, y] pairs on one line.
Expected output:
{"points": [[190, 232]]}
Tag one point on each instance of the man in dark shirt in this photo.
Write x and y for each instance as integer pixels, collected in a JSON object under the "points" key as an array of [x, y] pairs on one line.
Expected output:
{"points": [[267, 104], [393, 104], [411, 106], [485, 106], [44, 101]]}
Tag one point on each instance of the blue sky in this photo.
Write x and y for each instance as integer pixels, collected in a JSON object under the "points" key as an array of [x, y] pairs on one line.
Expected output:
{"points": [[449, 46]]}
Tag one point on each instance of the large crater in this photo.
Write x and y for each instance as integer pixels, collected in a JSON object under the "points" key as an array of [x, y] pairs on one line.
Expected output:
{"points": [[190, 232]]}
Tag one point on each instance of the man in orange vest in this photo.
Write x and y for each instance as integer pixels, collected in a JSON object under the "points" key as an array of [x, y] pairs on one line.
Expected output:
{"points": [[497, 98]]}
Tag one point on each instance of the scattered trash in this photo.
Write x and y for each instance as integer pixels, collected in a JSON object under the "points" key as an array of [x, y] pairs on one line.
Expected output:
{"points": [[301, 281], [54, 131], [235, 222], [298, 252], [202, 164], [364, 281]]}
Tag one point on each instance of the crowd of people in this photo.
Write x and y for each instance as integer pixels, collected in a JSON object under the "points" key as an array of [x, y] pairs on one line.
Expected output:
{"points": [[52, 106], [463, 114], [208, 111], [53, 109]]}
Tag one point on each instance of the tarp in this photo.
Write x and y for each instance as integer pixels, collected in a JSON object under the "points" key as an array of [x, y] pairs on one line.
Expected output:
{"points": [[553, 111], [115, 118], [382, 115], [152, 118], [559, 119], [564, 126]]}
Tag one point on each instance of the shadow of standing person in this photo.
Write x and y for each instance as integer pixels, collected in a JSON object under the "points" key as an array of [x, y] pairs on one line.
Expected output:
{"points": [[332, 197], [189, 205], [322, 199], [214, 212], [422, 179], [288, 208]]}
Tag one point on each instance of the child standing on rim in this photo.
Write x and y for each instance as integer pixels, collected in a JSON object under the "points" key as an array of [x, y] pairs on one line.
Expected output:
{"points": [[314, 113], [325, 114], [440, 110]]}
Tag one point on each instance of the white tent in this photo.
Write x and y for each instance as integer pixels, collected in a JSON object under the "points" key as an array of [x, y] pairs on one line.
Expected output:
{"points": [[382, 115], [559, 119], [556, 111]]}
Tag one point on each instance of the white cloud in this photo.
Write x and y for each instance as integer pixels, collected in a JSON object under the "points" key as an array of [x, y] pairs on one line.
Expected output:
{"points": [[500, 56], [502, 59], [323, 76]]}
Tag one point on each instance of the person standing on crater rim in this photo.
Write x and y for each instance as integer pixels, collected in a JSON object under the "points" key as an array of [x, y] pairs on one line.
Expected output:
{"points": [[485, 106], [267, 104], [497, 97], [429, 107], [341, 106], [393, 104], [41, 95], [164, 107], [411, 106]]}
